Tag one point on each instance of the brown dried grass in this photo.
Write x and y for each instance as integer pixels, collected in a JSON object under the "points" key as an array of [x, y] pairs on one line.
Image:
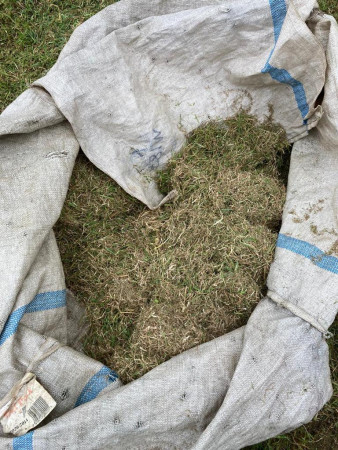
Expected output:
{"points": [[158, 282]]}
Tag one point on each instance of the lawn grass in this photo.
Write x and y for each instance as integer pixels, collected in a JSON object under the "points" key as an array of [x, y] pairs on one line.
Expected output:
{"points": [[157, 282]]}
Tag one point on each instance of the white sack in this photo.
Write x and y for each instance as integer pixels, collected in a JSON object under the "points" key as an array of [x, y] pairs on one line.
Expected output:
{"points": [[127, 87]]}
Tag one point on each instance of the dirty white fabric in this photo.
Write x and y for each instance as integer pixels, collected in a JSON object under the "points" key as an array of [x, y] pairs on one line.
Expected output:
{"points": [[128, 86]]}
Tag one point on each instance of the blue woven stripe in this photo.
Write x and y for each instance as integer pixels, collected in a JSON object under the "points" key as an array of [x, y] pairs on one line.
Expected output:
{"points": [[24, 442], [283, 76], [278, 13], [303, 248], [11, 324], [41, 302], [47, 300], [99, 381]]}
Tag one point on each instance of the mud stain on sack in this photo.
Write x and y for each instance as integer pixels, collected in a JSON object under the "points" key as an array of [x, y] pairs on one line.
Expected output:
{"points": [[308, 212]]}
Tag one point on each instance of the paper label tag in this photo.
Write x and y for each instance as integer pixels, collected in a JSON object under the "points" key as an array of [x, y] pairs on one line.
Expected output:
{"points": [[31, 405]]}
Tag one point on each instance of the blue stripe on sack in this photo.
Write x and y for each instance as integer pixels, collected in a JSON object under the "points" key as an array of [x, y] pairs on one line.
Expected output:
{"points": [[41, 302], [103, 378], [303, 248], [278, 13], [47, 300], [24, 442], [11, 324], [283, 76]]}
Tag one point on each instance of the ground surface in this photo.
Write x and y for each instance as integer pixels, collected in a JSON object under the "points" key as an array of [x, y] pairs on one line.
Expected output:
{"points": [[155, 283]]}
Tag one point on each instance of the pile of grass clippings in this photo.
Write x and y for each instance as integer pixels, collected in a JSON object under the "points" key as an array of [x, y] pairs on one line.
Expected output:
{"points": [[158, 282]]}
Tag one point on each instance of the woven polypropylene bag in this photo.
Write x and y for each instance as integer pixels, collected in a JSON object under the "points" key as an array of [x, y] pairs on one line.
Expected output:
{"points": [[127, 87]]}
